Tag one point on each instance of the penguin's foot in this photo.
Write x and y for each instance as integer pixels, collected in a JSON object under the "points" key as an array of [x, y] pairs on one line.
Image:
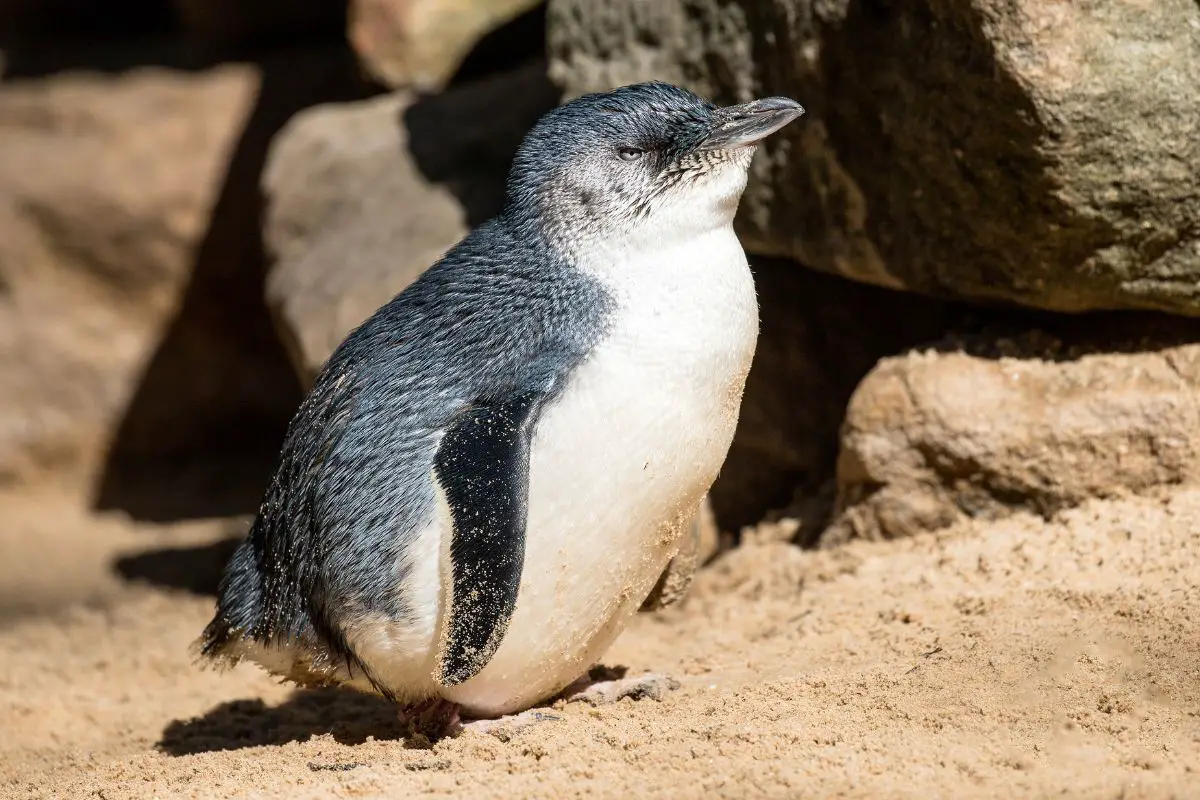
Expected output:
{"points": [[431, 720], [651, 686]]}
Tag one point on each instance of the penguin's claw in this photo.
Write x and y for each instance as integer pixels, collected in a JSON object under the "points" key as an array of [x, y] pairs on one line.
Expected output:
{"points": [[431, 720]]}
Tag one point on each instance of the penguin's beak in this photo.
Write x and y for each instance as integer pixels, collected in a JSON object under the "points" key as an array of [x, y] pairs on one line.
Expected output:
{"points": [[750, 123]]}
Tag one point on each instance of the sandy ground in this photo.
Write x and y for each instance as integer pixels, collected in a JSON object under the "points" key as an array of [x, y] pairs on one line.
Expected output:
{"points": [[1013, 658]]}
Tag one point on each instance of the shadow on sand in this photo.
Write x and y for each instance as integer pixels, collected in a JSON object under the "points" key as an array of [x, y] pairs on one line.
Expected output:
{"points": [[349, 716]]}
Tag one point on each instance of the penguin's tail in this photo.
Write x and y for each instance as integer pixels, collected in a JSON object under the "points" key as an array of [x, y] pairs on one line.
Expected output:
{"points": [[240, 608]]}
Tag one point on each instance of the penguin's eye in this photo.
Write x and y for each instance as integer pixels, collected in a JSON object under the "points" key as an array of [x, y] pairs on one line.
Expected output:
{"points": [[630, 153]]}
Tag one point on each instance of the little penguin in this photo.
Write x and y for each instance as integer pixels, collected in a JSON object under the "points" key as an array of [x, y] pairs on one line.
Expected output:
{"points": [[491, 473]]}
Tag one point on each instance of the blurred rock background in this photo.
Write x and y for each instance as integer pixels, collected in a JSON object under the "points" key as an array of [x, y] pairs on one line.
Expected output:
{"points": [[978, 255]]}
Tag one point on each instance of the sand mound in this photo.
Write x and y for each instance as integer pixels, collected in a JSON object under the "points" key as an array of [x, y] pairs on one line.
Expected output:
{"points": [[999, 659]]}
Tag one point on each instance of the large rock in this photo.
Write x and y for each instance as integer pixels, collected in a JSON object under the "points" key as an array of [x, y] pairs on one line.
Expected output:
{"points": [[1042, 153], [420, 44], [1033, 424], [106, 186], [364, 197], [138, 362]]}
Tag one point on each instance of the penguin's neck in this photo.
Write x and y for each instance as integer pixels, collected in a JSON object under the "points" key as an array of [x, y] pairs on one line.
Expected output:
{"points": [[673, 259], [685, 308]]}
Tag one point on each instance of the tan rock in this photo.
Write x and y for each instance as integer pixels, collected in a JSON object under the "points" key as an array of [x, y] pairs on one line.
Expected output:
{"points": [[106, 186], [363, 197], [931, 437], [420, 43]]}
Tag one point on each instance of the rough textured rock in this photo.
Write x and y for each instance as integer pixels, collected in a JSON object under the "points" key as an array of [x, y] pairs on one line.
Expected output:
{"points": [[106, 185], [421, 43], [1042, 153], [363, 197], [1033, 424]]}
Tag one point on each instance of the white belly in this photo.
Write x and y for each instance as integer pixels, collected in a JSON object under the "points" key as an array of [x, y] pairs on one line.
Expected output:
{"points": [[619, 464]]}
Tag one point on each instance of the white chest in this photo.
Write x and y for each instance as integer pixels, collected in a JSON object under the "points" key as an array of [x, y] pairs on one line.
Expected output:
{"points": [[653, 408], [623, 458]]}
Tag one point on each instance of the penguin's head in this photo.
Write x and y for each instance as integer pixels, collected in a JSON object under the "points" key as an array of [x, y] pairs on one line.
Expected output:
{"points": [[650, 158]]}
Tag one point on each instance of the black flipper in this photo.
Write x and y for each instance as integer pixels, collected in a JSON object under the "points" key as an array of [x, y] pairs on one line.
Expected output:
{"points": [[482, 465]]}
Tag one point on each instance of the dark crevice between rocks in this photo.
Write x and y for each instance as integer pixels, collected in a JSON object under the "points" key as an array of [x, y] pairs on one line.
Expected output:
{"points": [[39, 54], [42, 37], [1048, 336], [202, 431], [263, 25], [508, 47], [25, 20], [464, 138]]}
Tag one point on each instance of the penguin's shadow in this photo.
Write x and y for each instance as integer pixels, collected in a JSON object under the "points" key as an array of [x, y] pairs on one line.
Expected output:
{"points": [[195, 568], [350, 717]]}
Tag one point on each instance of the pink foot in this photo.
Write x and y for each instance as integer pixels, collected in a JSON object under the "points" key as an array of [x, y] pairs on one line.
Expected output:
{"points": [[431, 720]]}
